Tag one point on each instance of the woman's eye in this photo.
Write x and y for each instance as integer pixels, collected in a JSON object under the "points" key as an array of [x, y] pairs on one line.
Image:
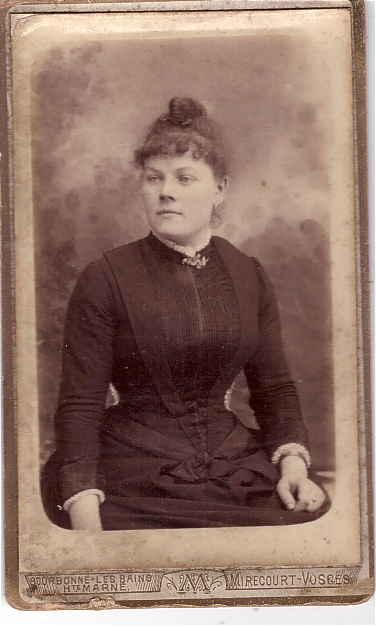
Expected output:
{"points": [[185, 179], [152, 179]]}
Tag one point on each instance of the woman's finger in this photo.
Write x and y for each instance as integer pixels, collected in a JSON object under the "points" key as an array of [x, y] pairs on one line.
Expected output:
{"points": [[284, 492], [316, 502], [310, 497]]}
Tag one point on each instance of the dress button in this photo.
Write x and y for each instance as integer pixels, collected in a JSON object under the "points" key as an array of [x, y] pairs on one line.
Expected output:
{"points": [[204, 457], [198, 419]]}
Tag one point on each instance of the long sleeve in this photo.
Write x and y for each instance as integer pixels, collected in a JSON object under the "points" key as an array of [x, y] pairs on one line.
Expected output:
{"points": [[273, 395], [87, 369]]}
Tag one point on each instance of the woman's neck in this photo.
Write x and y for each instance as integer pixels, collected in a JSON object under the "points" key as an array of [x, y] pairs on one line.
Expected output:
{"points": [[189, 249]]}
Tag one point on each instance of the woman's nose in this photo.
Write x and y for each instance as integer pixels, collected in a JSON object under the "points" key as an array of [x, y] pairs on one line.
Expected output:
{"points": [[167, 190]]}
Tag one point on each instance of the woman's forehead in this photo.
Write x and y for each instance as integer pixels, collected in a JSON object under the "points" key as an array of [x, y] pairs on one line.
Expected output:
{"points": [[168, 163]]}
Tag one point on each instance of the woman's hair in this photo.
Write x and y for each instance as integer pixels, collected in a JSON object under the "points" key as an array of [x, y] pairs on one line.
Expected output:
{"points": [[185, 126]]}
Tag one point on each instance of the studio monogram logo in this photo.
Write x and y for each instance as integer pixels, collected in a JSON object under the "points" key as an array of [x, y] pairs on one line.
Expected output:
{"points": [[194, 582]]}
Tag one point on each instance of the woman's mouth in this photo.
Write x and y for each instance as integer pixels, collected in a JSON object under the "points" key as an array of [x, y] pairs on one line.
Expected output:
{"points": [[168, 212]]}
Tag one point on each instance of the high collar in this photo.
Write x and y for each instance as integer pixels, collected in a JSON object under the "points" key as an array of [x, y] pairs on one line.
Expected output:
{"points": [[189, 251]]}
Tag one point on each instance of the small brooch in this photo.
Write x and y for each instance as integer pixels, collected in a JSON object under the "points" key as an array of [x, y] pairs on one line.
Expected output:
{"points": [[197, 261]]}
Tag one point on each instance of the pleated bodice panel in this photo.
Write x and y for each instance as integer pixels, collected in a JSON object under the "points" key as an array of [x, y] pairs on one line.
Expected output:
{"points": [[200, 318], [199, 332]]}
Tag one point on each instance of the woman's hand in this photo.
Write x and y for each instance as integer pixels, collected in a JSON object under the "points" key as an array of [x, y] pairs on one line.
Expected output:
{"points": [[296, 490], [84, 513]]}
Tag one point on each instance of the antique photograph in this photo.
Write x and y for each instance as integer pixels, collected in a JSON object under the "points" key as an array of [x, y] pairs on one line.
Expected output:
{"points": [[187, 274]]}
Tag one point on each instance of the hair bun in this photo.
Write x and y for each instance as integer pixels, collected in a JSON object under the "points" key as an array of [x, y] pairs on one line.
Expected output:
{"points": [[183, 111]]}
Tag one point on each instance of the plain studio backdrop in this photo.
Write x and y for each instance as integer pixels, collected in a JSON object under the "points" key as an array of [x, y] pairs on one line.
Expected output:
{"points": [[91, 106]]}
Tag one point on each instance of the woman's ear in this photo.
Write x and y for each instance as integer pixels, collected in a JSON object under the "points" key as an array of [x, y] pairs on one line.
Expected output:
{"points": [[222, 187]]}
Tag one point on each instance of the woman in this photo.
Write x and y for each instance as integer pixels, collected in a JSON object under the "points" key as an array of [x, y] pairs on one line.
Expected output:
{"points": [[170, 321]]}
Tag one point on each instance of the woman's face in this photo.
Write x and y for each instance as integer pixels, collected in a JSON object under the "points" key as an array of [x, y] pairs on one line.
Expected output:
{"points": [[179, 193]]}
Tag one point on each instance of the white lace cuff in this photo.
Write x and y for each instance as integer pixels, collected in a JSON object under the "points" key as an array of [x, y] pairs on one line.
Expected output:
{"points": [[81, 494], [291, 449]]}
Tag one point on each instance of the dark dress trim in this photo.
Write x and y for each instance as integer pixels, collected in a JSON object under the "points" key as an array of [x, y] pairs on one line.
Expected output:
{"points": [[141, 303]]}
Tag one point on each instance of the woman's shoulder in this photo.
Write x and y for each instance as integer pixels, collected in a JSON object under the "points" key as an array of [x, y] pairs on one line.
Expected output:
{"points": [[227, 249], [101, 279], [238, 260], [125, 249], [97, 285], [96, 281], [100, 268]]}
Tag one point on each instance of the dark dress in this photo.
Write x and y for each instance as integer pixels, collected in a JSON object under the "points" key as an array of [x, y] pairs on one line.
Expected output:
{"points": [[172, 338]]}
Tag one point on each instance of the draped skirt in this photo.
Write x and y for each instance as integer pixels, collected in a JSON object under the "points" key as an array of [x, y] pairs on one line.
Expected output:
{"points": [[154, 478]]}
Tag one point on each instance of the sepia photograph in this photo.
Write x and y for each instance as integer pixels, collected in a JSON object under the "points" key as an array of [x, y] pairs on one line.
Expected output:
{"points": [[188, 276]]}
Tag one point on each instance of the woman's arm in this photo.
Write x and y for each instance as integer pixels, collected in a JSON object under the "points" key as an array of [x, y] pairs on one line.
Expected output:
{"points": [[273, 395], [275, 402], [87, 369]]}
